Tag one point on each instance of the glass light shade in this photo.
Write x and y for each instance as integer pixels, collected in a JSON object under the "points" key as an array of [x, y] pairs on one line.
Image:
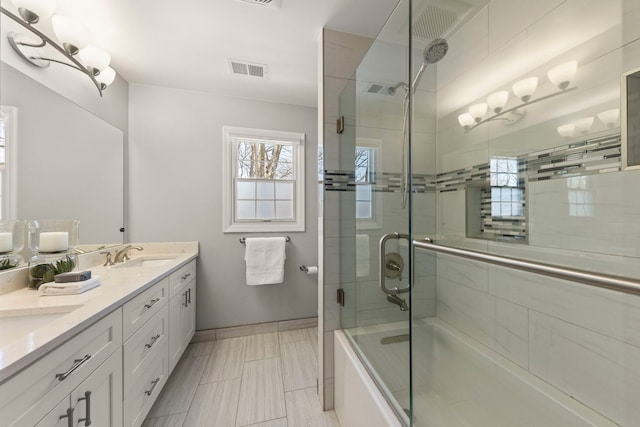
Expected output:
{"points": [[567, 131], [562, 74], [35, 10], [94, 58], [609, 117], [498, 100], [584, 124], [478, 111], [523, 89], [73, 35], [106, 77], [466, 120]]}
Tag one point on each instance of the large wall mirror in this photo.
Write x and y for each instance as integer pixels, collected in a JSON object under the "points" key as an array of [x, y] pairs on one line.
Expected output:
{"points": [[60, 161], [630, 119]]}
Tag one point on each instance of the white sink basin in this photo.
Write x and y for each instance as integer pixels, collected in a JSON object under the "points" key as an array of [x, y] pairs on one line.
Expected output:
{"points": [[23, 322], [150, 261]]}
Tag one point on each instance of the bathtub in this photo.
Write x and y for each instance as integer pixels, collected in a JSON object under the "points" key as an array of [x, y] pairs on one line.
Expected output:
{"points": [[457, 382]]}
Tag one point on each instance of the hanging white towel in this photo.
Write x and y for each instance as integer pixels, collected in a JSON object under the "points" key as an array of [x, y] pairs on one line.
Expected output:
{"points": [[265, 258], [362, 255], [69, 288]]}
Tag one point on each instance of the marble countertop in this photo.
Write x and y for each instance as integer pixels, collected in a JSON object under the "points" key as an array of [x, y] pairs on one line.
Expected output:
{"points": [[31, 325]]}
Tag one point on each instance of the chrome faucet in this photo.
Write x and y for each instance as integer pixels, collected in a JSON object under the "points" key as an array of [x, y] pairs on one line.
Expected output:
{"points": [[398, 301], [123, 254]]}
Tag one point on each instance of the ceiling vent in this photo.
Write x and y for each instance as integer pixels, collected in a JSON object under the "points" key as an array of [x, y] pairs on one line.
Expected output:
{"points": [[271, 3], [247, 68]]}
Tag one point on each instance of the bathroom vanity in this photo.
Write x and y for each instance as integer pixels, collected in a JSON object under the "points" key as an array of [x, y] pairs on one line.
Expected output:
{"points": [[101, 357]]}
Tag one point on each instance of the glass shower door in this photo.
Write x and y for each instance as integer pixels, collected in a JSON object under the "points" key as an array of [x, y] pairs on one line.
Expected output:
{"points": [[374, 210]]}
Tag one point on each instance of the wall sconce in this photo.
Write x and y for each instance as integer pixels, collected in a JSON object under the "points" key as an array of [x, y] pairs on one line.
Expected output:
{"points": [[477, 111], [466, 120], [525, 88], [74, 37], [609, 117], [567, 131], [584, 124], [498, 100], [560, 75]]}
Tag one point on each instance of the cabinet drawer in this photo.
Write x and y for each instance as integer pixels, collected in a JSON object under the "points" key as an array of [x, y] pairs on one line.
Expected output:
{"points": [[142, 308], [181, 277], [139, 399], [31, 394], [144, 344]]}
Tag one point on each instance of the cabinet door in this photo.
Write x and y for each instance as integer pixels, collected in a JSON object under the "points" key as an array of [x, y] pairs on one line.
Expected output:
{"points": [[177, 304], [98, 400], [189, 314], [60, 416]]}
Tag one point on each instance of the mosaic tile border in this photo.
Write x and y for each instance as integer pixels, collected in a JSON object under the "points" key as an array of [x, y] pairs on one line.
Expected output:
{"points": [[384, 182]]}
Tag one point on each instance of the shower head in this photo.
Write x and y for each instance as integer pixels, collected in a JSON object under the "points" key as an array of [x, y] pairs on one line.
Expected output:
{"points": [[435, 51]]}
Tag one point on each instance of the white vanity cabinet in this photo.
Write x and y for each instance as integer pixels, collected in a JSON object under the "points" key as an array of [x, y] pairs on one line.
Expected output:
{"points": [[146, 355], [31, 394], [97, 401], [182, 311]]}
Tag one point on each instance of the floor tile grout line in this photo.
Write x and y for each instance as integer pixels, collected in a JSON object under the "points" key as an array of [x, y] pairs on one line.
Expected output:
{"points": [[284, 393], [244, 364]]}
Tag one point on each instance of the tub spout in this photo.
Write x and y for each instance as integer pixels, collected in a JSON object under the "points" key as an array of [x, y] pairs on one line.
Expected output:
{"points": [[398, 301]]}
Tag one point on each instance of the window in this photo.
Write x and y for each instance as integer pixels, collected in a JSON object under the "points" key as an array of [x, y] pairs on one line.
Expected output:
{"points": [[364, 175], [263, 180], [8, 122], [507, 200]]}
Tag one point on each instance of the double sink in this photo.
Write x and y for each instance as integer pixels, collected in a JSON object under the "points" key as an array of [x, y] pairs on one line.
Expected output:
{"points": [[17, 321]]}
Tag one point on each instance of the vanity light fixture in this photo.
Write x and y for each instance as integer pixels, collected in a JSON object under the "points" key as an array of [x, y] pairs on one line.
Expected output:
{"points": [[477, 111], [525, 88], [498, 100], [609, 117], [561, 76], [466, 120], [567, 131], [74, 42], [584, 124]]}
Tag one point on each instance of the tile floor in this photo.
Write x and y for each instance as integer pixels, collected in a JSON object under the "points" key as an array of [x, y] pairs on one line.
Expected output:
{"points": [[265, 380]]}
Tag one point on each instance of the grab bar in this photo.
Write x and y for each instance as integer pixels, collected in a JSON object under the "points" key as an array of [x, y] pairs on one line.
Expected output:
{"points": [[617, 283], [381, 255]]}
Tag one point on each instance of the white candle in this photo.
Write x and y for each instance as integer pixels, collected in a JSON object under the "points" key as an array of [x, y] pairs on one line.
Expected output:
{"points": [[6, 242], [54, 241]]}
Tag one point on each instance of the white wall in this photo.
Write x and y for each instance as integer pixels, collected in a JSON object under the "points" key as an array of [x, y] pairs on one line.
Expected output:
{"points": [[176, 195]]}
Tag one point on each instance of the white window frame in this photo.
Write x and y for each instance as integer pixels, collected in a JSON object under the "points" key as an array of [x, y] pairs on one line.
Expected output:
{"points": [[375, 222], [9, 188], [229, 159]]}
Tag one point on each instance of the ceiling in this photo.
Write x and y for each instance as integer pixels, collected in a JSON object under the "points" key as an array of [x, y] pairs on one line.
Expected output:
{"points": [[186, 44]]}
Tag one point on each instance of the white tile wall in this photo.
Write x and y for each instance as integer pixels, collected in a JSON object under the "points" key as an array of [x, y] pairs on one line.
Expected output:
{"points": [[597, 370]]}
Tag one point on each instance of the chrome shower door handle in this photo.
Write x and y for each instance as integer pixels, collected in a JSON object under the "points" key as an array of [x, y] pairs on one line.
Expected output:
{"points": [[382, 264]]}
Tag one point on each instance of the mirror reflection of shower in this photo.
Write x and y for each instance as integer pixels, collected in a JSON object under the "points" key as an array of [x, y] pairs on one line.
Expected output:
{"points": [[434, 52]]}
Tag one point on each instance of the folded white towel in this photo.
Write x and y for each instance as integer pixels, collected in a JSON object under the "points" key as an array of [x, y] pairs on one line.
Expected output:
{"points": [[70, 288], [265, 258], [362, 255]]}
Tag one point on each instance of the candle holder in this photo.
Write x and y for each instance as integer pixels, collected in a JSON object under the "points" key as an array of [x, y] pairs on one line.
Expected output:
{"points": [[12, 236], [53, 235], [43, 267]]}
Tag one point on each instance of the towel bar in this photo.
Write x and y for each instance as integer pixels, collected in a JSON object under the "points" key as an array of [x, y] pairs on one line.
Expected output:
{"points": [[243, 240]]}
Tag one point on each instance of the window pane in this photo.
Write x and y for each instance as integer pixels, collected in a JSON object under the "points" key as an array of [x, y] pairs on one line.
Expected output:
{"points": [[265, 191], [265, 209], [245, 190], [284, 210], [245, 210], [284, 170], [363, 192], [284, 190], [363, 210]]}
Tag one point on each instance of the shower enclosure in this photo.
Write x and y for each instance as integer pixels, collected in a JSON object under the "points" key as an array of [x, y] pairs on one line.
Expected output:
{"points": [[488, 236]]}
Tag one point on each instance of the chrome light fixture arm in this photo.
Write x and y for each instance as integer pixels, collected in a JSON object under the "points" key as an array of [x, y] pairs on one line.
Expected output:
{"points": [[516, 110], [46, 40]]}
